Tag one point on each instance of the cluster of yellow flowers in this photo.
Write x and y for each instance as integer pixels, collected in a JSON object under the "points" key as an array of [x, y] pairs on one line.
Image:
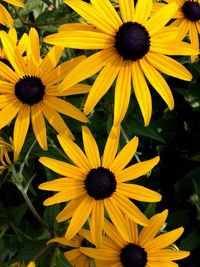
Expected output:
{"points": [[133, 43]]}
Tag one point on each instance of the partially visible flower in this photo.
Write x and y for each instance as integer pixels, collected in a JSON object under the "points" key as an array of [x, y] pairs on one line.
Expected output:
{"points": [[30, 91], [5, 17], [132, 50], [31, 264], [142, 249], [187, 20], [6, 154], [94, 185], [74, 256]]}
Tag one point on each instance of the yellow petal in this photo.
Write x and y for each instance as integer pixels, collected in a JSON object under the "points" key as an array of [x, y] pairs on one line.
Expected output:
{"points": [[21, 129], [39, 126], [13, 54], [56, 120], [96, 222], [74, 153], [164, 240], [122, 93], [65, 108], [111, 146], [148, 233], [63, 168], [138, 192], [142, 92], [158, 82], [79, 217], [126, 10], [91, 148], [136, 170], [163, 15], [142, 11], [91, 14], [125, 155], [169, 66], [103, 82]]}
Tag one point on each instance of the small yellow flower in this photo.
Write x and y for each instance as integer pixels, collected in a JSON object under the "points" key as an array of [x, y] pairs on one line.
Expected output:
{"points": [[6, 154], [29, 91], [31, 264], [142, 249], [187, 20], [94, 185], [133, 47]]}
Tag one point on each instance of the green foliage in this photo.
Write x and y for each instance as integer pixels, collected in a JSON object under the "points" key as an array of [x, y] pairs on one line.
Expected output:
{"points": [[174, 135]]}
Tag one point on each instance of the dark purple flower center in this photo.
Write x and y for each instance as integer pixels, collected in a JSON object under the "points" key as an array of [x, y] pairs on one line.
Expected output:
{"points": [[100, 183], [29, 90], [132, 41], [133, 256], [191, 10]]}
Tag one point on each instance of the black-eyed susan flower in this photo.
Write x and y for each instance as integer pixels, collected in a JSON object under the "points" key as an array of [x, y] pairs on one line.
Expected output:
{"points": [[187, 20], [144, 249], [6, 154], [74, 256], [31, 264], [30, 91], [5, 17], [93, 185], [133, 48]]}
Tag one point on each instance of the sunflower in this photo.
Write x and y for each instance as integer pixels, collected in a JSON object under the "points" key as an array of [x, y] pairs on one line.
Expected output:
{"points": [[21, 43], [30, 91], [5, 17], [75, 257], [92, 185], [6, 154], [143, 249], [187, 20], [133, 49]]}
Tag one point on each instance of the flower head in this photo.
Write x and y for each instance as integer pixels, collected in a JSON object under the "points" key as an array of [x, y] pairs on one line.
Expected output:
{"points": [[30, 91], [187, 20], [6, 154], [133, 49], [141, 249], [93, 185]]}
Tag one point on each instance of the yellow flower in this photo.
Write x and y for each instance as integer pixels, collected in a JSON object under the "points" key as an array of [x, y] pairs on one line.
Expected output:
{"points": [[30, 91], [92, 186], [187, 20], [5, 17], [74, 256], [133, 49], [6, 154], [143, 249], [31, 264]]}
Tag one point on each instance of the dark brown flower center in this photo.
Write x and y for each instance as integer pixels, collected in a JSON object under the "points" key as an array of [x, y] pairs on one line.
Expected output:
{"points": [[132, 41], [29, 90], [100, 183], [191, 10], [133, 256]]}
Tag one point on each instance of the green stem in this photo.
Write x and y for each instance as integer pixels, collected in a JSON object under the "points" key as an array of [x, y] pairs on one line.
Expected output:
{"points": [[35, 213], [41, 252], [21, 18]]}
